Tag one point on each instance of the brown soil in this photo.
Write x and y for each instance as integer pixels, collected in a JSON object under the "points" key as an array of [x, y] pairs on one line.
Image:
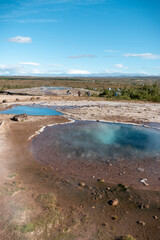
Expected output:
{"points": [[40, 202]]}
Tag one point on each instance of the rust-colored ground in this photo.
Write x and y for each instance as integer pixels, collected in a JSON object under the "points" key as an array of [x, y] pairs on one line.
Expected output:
{"points": [[40, 202]]}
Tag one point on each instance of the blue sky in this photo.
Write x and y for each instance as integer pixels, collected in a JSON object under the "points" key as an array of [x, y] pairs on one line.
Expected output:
{"points": [[79, 37]]}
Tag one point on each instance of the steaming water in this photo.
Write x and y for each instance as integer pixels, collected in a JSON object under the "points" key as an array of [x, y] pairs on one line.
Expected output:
{"points": [[31, 110], [96, 141]]}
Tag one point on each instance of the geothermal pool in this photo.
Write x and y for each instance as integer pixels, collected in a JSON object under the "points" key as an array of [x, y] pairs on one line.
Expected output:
{"points": [[96, 141], [104, 150], [55, 88], [31, 110]]}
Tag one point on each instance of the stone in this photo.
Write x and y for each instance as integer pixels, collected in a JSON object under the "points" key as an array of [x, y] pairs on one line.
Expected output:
{"points": [[145, 184], [4, 101], [140, 169], [114, 217], [144, 181], [82, 184], [127, 237], [19, 117], [104, 224], [32, 98], [141, 206], [81, 206], [146, 206], [141, 223], [100, 180], [114, 202]]}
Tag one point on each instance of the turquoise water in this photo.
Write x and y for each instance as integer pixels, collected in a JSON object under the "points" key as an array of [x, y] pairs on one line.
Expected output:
{"points": [[31, 110], [96, 141]]}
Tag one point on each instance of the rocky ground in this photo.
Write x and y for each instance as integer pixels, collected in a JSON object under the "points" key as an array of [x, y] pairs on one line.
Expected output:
{"points": [[40, 202]]}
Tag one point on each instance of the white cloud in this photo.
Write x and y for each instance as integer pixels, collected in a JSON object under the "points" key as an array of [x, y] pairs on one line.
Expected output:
{"points": [[9, 69], [36, 20], [155, 67], [20, 39], [30, 63], [112, 71], [45, 70], [144, 72], [83, 56], [55, 65], [111, 51], [120, 66], [23, 70], [109, 72], [18, 70], [76, 71], [28, 70], [148, 56]]}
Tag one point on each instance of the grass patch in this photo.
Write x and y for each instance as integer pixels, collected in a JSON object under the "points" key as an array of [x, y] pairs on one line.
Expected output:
{"points": [[10, 188], [47, 200], [12, 175], [51, 215], [65, 236], [29, 227]]}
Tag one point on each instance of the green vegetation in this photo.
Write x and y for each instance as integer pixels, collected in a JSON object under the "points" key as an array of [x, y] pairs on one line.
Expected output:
{"points": [[48, 201], [65, 236], [144, 92], [10, 188], [50, 221], [12, 175], [29, 227], [8, 86]]}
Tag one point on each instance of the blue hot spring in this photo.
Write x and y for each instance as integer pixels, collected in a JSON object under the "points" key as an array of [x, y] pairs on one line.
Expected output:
{"points": [[55, 88], [96, 142], [31, 110]]}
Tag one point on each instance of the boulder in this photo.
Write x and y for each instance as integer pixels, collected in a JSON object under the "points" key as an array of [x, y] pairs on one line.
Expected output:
{"points": [[113, 202], [19, 117]]}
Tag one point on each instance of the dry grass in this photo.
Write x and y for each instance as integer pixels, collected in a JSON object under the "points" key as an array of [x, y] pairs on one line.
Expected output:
{"points": [[78, 82]]}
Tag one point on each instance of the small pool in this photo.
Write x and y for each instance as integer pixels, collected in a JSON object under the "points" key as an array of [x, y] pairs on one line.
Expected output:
{"points": [[109, 151], [55, 88], [31, 110], [97, 141]]}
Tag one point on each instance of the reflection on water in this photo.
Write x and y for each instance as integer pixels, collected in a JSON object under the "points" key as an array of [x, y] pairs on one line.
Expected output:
{"points": [[31, 110], [96, 141]]}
